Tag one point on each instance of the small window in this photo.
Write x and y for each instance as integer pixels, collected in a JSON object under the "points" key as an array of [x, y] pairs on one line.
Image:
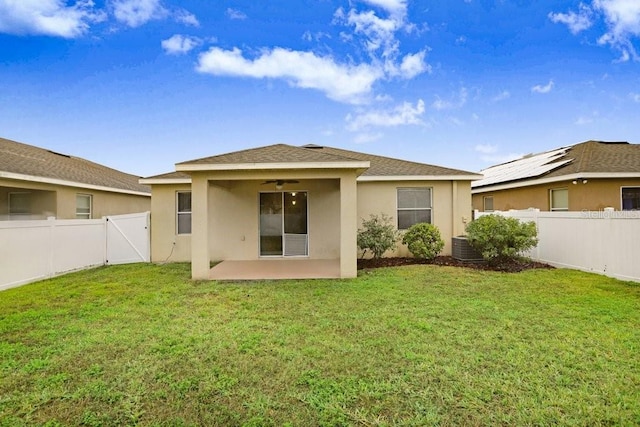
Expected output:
{"points": [[559, 199], [488, 204], [184, 212], [414, 206], [19, 204], [83, 206], [630, 198]]}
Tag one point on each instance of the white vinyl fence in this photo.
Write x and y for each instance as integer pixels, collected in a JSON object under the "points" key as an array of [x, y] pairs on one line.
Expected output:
{"points": [[605, 242], [35, 250]]}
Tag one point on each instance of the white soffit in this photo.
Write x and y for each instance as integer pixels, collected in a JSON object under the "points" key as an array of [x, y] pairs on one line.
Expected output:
{"points": [[527, 167]]}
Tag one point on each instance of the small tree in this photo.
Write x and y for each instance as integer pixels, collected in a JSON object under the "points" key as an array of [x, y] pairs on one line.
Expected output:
{"points": [[499, 238], [423, 240], [377, 235]]}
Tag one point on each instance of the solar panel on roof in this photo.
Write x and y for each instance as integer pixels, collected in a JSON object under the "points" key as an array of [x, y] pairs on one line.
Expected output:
{"points": [[527, 167]]}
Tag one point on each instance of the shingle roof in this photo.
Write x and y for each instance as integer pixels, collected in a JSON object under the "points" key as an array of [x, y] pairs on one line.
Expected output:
{"points": [[280, 153], [387, 166], [600, 157], [23, 159], [277, 153]]}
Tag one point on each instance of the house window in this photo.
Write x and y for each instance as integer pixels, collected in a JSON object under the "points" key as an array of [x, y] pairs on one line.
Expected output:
{"points": [[184, 212], [630, 198], [19, 204], [559, 198], [488, 203], [414, 206], [83, 206]]}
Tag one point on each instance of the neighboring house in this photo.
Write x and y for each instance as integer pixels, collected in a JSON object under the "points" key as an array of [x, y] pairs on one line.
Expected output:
{"points": [[36, 183], [287, 202], [592, 175]]}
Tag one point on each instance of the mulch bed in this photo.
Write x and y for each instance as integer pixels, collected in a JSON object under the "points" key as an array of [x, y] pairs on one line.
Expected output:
{"points": [[509, 267]]}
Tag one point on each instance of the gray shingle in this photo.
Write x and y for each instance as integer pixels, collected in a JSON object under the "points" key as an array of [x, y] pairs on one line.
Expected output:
{"points": [[19, 158]]}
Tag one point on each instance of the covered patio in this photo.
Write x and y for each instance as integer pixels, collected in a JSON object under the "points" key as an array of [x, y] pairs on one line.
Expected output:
{"points": [[274, 269]]}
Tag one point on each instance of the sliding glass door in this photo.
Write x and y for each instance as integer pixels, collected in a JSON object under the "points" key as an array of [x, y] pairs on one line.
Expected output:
{"points": [[284, 224]]}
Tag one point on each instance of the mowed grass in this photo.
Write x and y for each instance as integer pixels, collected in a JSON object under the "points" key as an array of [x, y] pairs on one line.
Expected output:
{"points": [[416, 345]]}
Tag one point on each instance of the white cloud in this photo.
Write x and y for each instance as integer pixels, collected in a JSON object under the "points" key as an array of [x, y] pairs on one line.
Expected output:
{"points": [[363, 138], [186, 18], [491, 154], [486, 148], [340, 82], [543, 89], [621, 18], [414, 64], [138, 12], [236, 14], [623, 23], [456, 101], [580, 121], [403, 114], [48, 17], [635, 97], [575, 21], [501, 96], [179, 44]]}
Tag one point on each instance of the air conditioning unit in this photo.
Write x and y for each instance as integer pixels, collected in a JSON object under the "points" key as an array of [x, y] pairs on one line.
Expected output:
{"points": [[462, 250]]}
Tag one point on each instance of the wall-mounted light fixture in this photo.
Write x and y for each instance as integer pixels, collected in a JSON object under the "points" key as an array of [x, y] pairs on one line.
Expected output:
{"points": [[575, 181]]}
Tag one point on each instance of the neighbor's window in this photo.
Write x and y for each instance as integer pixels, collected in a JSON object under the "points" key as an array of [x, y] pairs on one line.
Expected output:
{"points": [[414, 206], [488, 203], [83, 206], [184, 212], [559, 199], [19, 204], [630, 198]]}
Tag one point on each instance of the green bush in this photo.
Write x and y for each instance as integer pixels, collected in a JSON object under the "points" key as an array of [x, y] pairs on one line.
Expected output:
{"points": [[423, 240], [377, 235], [499, 238]]}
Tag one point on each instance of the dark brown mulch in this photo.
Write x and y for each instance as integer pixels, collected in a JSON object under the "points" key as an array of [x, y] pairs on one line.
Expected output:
{"points": [[509, 267]]}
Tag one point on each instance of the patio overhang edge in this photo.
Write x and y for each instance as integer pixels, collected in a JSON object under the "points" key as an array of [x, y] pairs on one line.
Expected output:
{"points": [[271, 166]]}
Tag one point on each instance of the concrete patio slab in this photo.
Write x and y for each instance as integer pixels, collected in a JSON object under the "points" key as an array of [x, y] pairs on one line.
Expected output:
{"points": [[270, 269]]}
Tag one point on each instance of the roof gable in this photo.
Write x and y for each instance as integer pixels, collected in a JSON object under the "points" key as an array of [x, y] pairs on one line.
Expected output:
{"points": [[373, 167], [278, 153], [27, 162]]}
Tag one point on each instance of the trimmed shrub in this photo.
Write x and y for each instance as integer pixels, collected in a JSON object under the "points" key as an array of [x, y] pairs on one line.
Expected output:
{"points": [[377, 235], [499, 238], [423, 240]]}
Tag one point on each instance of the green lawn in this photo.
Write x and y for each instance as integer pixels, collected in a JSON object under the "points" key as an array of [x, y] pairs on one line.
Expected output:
{"points": [[416, 345]]}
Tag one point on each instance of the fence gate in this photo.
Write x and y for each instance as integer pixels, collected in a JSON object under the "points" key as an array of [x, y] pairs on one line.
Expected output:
{"points": [[128, 238]]}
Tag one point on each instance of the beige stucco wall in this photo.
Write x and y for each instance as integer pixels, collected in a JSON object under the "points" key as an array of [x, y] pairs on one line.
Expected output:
{"points": [[233, 206], [166, 244], [60, 201], [234, 218], [450, 217], [596, 194]]}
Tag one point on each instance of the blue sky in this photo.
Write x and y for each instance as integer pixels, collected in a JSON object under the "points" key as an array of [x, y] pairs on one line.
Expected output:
{"points": [[139, 85]]}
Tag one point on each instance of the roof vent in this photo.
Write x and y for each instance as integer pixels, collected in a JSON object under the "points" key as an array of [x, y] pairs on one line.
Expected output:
{"points": [[313, 146], [59, 154]]}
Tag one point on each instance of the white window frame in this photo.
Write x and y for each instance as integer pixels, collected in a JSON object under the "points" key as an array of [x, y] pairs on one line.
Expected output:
{"points": [[9, 206], [621, 190], [398, 208], [183, 213], [84, 215], [553, 209], [484, 204]]}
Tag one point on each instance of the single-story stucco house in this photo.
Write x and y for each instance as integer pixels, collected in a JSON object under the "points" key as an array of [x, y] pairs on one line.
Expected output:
{"points": [[36, 184], [277, 204], [588, 176]]}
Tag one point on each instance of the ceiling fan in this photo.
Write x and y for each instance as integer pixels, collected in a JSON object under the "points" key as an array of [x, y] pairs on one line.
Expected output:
{"points": [[280, 182]]}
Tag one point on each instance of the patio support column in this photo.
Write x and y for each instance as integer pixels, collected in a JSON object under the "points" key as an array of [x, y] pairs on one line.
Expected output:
{"points": [[348, 227], [199, 227]]}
